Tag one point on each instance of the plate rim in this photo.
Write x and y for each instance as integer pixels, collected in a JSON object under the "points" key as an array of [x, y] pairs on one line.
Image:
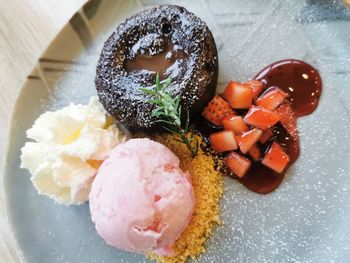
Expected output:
{"points": [[15, 252]]}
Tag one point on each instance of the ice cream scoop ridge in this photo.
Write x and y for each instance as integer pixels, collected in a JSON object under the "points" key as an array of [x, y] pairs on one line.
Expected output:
{"points": [[141, 200]]}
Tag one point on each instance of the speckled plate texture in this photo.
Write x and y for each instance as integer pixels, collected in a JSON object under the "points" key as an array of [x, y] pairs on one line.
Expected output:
{"points": [[305, 220]]}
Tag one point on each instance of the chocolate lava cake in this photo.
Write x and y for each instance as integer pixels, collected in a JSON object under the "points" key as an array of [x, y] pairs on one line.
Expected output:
{"points": [[168, 40]]}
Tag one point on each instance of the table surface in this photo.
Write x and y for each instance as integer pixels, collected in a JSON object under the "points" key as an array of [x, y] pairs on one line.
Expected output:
{"points": [[26, 29]]}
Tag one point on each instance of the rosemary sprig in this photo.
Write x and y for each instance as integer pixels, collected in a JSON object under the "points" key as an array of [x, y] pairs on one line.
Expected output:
{"points": [[168, 111]]}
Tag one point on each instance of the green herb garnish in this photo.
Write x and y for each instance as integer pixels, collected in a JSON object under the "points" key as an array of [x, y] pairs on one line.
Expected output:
{"points": [[169, 111]]}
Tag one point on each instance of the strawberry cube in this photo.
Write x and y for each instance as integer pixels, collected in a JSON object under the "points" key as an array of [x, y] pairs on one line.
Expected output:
{"points": [[217, 109], [256, 86], [234, 123], [276, 158], [238, 164], [261, 118], [248, 139], [238, 95], [267, 134], [255, 153], [288, 119], [271, 98], [223, 141]]}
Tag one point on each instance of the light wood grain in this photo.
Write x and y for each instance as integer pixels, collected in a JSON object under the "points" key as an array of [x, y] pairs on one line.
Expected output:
{"points": [[26, 29]]}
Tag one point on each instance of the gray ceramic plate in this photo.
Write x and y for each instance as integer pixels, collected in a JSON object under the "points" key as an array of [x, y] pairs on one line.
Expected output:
{"points": [[305, 220]]}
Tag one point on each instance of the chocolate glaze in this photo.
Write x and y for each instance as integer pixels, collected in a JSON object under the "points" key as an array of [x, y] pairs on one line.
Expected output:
{"points": [[304, 92], [166, 39], [167, 63]]}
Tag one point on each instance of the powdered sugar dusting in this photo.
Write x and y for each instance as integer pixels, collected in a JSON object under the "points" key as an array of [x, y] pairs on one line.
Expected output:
{"points": [[304, 220]]}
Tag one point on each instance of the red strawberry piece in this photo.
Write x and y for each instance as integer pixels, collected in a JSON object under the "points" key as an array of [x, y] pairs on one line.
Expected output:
{"points": [[234, 123], [276, 158], [238, 164], [256, 86], [248, 139], [271, 98], [261, 118], [238, 95], [267, 134], [223, 141], [217, 109], [255, 153], [287, 119]]}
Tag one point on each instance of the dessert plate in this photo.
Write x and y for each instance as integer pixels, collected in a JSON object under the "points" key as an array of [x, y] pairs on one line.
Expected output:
{"points": [[305, 220]]}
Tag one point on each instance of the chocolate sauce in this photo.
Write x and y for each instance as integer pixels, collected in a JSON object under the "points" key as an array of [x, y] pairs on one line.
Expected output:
{"points": [[167, 62], [300, 80], [303, 84]]}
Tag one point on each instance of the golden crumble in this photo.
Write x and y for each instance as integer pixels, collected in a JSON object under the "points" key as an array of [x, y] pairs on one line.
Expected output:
{"points": [[208, 188]]}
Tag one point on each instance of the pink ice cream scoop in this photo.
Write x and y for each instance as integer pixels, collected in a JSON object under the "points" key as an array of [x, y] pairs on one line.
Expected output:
{"points": [[141, 200]]}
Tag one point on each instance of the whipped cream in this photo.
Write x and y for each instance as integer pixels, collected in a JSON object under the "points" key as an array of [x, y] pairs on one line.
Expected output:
{"points": [[69, 146]]}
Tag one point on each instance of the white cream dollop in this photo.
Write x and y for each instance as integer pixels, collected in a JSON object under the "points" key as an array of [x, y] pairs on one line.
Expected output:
{"points": [[70, 144]]}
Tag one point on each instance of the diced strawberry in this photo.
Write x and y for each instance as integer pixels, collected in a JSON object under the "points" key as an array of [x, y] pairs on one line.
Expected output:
{"points": [[271, 98], [267, 134], [238, 164], [287, 119], [255, 153], [248, 139], [216, 109], [234, 123], [276, 158], [256, 86], [261, 118], [238, 95], [223, 141]]}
